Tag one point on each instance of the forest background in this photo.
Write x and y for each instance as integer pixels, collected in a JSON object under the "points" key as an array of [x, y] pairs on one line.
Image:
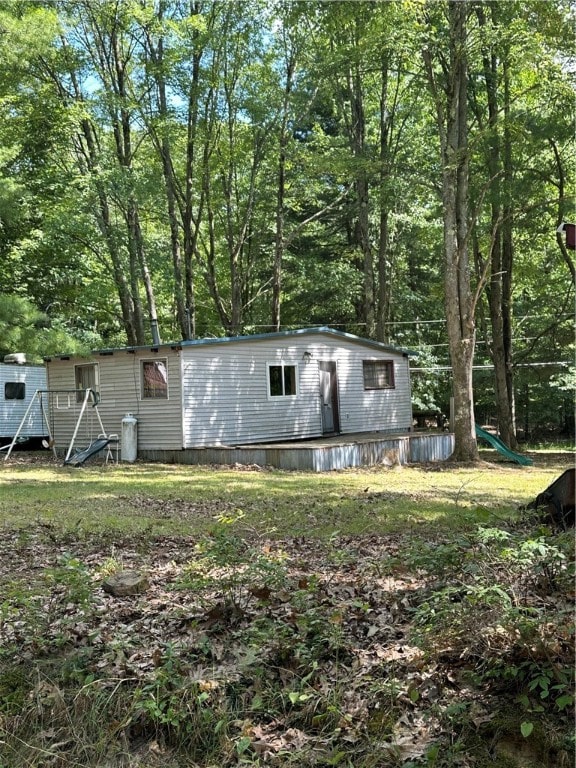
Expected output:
{"points": [[174, 169]]}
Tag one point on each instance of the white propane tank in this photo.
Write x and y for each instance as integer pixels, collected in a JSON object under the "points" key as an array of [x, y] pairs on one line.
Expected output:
{"points": [[129, 438]]}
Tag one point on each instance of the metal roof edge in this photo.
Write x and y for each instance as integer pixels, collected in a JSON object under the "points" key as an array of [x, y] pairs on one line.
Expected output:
{"points": [[111, 350], [326, 330], [323, 330]]}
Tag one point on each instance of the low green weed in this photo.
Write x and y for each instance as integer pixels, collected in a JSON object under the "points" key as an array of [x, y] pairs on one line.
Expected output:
{"points": [[435, 558], [72, 578], [489, 618], [179, 708], [227, 566]]}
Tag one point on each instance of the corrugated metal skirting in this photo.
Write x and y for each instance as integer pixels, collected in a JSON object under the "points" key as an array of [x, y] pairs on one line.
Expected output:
{"points": [[436, 447], [318, 456]]}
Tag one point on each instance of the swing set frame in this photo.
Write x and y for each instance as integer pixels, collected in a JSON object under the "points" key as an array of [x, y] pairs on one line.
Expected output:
{"points": [[89, 395]]}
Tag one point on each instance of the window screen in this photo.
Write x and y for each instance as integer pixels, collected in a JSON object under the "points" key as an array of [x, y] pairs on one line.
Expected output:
{"points": [[378, 374], [86, 377]]}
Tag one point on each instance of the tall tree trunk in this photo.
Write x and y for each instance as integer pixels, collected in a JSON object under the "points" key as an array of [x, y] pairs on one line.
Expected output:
{"points": [[362, 239], [561, 183], [500, 243], [383, 304], [87, 139], [451, 112], [164, 149], [121, 120], [508, 255], [88, 161], [189, 225], [360, 234], [175, 241], [118, 268], [135, 229], [279, 239]]}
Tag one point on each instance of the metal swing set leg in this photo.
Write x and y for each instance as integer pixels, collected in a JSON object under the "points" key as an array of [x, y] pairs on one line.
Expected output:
{"points": [[37, 396], [110, 442]]}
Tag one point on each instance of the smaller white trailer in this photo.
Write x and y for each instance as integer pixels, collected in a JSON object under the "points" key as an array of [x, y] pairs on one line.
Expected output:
{"points": [[19, 382]]}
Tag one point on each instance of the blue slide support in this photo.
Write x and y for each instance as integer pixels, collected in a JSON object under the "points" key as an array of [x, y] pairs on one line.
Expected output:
{"points": [[502, 448]]}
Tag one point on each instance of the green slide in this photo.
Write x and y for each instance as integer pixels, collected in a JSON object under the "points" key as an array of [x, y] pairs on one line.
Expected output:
{"points": [[495, 442]]}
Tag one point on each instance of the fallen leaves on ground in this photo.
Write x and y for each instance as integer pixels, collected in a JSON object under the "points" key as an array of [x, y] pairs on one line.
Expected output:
{"points": [[311, 640]]}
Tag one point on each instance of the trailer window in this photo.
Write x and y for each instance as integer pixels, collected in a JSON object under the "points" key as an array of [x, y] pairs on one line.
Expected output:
{"points": [[14, 390], [378, 374], [86, 377], [282, 380], [154, 380]]}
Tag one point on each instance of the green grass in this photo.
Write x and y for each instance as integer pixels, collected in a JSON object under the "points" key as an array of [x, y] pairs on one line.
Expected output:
{"points": [[183, 499]]}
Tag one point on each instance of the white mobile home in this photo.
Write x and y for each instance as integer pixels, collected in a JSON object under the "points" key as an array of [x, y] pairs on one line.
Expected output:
{"points": [[196, 395], [18, 385]]}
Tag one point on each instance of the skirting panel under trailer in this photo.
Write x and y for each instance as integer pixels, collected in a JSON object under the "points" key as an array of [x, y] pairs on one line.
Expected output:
{"points": [[319, 455]]}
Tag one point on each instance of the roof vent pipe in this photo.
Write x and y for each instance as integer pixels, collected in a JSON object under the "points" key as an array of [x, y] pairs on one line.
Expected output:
{"points": [[189, 334], [155, 332]]}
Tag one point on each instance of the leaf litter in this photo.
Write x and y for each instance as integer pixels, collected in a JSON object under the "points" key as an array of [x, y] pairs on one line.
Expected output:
{"points": [[307, 645]]}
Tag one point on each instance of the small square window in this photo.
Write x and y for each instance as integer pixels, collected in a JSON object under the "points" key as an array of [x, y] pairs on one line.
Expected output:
{"points": [[282, 380], [378, 374], [154, 380], [14, 390]]}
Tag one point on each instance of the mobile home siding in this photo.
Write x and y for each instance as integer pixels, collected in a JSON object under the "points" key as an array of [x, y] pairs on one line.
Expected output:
{"points": [[159, 420], [225, 391], [382, 410], [13, 411], [225, 395]]}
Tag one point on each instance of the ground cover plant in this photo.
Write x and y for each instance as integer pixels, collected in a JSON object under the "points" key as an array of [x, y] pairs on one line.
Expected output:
{"points": [[396, 617]]}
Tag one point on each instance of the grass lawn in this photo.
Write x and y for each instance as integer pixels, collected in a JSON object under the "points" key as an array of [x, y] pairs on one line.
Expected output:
{"points": [[182, 499], [402, 617]]}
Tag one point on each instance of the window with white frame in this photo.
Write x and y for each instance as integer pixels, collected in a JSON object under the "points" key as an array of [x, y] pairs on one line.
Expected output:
{"points": [[378, 374], [154, 380], [282, 380]]}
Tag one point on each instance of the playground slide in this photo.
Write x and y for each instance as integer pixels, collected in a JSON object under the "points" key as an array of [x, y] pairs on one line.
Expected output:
{"points": [[79, 458], [502, 448]]}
